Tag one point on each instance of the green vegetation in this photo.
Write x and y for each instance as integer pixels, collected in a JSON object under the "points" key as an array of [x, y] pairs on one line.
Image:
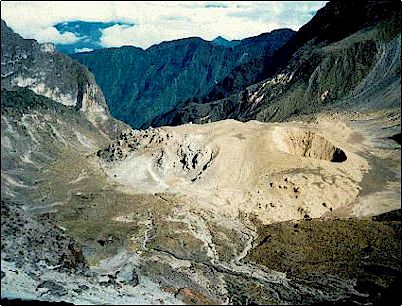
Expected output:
{"points": [[23, 99], [142, 84]]}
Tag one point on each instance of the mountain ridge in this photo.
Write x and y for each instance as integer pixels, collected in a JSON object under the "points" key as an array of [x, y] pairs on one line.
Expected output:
{"points": [[291, 69], [177, 70], [26, 63]]}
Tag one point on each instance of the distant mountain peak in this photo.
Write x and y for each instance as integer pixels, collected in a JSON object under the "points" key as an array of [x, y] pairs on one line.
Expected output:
{"points": [[221, 41], [220, 38]]}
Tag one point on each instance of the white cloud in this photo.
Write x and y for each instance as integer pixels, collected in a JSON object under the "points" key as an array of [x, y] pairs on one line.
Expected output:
{"points": [[158, 21], [80, 50], [143, 35], [51, 34], [118, 35]]}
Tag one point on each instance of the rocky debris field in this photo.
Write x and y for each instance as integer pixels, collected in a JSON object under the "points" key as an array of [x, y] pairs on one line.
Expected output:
{"points": [[40, 262], [27, 240], [148, 232], [177, 215]]}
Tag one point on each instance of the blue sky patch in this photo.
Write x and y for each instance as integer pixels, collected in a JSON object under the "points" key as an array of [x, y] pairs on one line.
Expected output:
{"points": [[88, 32]]}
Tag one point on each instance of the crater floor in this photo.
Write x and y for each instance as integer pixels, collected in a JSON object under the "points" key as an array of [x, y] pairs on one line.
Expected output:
{"points": [[276, 172]]}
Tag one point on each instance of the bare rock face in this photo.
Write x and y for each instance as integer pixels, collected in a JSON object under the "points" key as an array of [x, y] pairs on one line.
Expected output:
{"points": [[39, 67]]}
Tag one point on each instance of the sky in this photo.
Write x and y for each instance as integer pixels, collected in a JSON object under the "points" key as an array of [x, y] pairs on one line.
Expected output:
{"points": [[144, 23]]}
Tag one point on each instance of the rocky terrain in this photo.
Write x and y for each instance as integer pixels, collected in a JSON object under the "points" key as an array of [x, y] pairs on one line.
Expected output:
{"points": [[305, 211], [39, 67], [335, 61], [42, 143], [189, 209]]}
